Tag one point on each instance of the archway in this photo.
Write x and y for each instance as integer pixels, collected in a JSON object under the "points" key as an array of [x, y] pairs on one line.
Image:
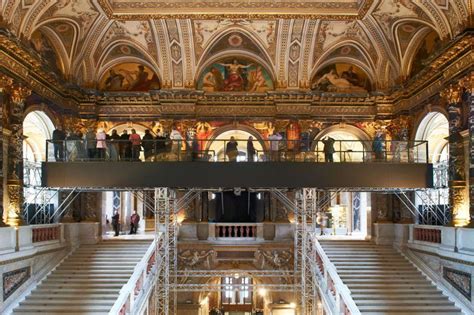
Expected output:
{"points": [[37, 128], [351, 145], [434, 128], [216, 146]]}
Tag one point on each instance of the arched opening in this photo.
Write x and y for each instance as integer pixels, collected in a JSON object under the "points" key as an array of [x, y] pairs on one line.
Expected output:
{"points": [[351, 144], [434, 128], [37, 128], [347, 213], [217, 146]]}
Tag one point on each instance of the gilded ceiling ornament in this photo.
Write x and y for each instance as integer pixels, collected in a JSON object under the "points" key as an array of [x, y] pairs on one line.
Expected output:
{"points": [[5, 82], [452, 94], [19, 93]]}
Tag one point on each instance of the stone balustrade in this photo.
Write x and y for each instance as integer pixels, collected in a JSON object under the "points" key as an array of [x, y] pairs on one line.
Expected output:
{"points": [[236, 230], [430, 235], [50, 232], [133, 295]]}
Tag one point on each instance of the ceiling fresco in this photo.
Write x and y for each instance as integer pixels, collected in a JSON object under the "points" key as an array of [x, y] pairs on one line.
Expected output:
{"points": [[384, 41]]}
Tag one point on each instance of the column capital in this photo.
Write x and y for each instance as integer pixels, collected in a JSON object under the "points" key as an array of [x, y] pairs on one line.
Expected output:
{"points": [[5, 82], [452, 94], [19, 93]]}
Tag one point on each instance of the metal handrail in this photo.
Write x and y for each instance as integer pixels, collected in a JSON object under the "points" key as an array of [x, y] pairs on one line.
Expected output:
{"points": [[267, 150]]}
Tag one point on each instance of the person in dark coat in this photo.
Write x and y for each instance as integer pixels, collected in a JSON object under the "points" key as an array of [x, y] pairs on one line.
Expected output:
{"points": [[148, 144], [134, 219], [195, 149], [328, 149], [231, 150], [116, 222], [125, 146], [250, 150], [58, 143]]}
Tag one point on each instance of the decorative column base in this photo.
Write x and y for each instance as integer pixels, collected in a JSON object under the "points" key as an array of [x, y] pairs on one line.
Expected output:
{"points": [[459, 203], [14, 217]]}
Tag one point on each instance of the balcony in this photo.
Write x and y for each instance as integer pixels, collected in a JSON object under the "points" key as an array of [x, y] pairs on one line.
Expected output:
{"points": [[353, 164]]}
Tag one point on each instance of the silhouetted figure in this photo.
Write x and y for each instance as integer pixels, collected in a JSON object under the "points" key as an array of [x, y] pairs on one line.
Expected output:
{"points": [[58, 143], [250, 150], [134, 219], [231, 150], [148, 144], [116, 222], [328, 149], [125, 146]]}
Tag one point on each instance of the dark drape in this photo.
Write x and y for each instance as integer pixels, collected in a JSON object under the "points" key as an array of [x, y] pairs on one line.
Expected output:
{"points": [[236, 208]]}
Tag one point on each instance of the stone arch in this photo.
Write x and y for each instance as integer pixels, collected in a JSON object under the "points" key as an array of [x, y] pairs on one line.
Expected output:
{"points": [[240, 132], [353, 151], [434, 128], [38, 127]]}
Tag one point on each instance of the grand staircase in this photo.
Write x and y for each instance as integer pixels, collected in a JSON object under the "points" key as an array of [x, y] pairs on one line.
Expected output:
{"points": [[86, 282], [382, 281]]}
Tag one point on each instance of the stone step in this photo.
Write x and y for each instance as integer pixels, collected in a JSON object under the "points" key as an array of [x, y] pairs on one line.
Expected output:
{"points": [[439, 309], [432, 303], [399, 296], [64, 308]]}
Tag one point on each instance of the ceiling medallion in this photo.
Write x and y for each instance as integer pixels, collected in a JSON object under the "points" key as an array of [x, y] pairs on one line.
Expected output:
{"points": [[235, 40]]}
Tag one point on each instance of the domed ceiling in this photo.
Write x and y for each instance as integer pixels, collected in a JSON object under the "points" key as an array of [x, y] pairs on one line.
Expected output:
{"points": [[354, 46]]}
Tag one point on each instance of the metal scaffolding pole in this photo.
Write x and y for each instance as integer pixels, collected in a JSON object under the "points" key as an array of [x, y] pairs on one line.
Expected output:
{"points": [[166, 252]]}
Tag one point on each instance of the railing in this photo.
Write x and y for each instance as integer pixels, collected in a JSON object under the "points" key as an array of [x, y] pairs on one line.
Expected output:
{"points": [[44, 233], [239, 150], [236, 230], [131, 295], [430, 234], [333, 289]]}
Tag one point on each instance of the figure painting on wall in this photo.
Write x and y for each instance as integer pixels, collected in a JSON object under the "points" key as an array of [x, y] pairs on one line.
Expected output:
{"points": [[130, 77], [43, 46], [235, 75], [341, 78], [429, 46]]}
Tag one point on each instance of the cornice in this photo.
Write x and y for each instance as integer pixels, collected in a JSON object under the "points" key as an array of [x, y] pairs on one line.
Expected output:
{"points": [[238, 9]]}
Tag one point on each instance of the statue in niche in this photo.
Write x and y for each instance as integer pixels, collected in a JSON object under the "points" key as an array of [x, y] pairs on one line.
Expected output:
{"points": [[194, 258]]}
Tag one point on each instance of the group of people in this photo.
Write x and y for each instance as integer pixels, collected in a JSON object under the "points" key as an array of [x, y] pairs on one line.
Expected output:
{"points": [[134, 220], [99, 145], [232, 151]]}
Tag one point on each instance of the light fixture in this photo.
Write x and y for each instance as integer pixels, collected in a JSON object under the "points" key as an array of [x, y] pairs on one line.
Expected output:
{"points": [[236, 276], [262, 291], [293, 305]]}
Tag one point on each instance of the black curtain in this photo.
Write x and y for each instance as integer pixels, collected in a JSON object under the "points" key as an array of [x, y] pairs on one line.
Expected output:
{"points": [[236, 208]]}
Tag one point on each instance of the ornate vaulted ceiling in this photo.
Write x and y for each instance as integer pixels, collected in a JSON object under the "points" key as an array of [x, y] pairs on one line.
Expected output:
{"points": [[101, 43]]}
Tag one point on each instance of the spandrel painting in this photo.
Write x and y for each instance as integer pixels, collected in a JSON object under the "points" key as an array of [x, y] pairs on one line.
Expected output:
{"points": [[129, 77], [428, 48], [341, 78], [43, 46], [235, 75]]}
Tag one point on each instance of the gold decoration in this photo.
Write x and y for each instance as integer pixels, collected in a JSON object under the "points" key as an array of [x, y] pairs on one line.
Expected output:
{"points": [[14, 206], [5, 82], [452, 95], [19, 93]]}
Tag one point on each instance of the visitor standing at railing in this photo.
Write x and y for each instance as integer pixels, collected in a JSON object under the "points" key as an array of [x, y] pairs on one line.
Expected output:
{"points": [[274, 146], [176, 138], [250, 150], [328, 149], [147, 144], [136, 142], [91, 143], [101, 144], [231, 150], [160, 142], [114, 145], [125, 147], [377, 146], [195, 148], [58, 143]]}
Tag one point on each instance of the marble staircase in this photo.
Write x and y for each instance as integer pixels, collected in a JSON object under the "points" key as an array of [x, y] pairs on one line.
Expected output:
{"points": [[86, 282], [383, 282]]}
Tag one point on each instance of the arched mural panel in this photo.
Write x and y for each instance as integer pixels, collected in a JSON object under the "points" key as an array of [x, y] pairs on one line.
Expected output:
{"points": [[430, 45], [129, 76], [237, 74], [341, 78]]}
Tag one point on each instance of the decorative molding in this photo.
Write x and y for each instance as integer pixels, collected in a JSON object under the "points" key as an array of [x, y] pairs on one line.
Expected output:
{"points": [[12, 280], [460, 280]]}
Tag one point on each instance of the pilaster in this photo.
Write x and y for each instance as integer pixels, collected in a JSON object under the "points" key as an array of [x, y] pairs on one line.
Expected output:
{"points": [[5, 83]]}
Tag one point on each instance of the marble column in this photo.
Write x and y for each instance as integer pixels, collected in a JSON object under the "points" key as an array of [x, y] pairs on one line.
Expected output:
{"points": [[5, 83], [458, 192], [18, 95]]}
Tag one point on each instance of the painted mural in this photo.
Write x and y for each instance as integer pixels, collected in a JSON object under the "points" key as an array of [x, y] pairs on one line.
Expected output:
{"points": [[235, 75], [42, 45], [341, 78], [429, 46], [129, 77]]}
